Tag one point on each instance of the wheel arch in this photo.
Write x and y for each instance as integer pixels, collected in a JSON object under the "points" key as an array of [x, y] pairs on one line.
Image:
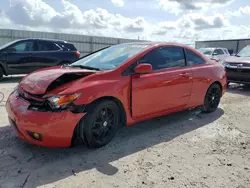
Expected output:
{"points": [[122, 112], [218, 83]]}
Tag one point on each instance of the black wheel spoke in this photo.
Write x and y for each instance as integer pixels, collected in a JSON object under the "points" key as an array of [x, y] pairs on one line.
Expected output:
{"points": [[104, 124], [98, 123], [213, 98], [102, 115], [96, 131], [99, 136], [110, 116], [210, 95]]}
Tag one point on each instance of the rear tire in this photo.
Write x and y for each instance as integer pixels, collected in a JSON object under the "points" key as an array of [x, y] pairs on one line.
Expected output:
{"points": [[1, 73], [212, 98], [100, 124]]}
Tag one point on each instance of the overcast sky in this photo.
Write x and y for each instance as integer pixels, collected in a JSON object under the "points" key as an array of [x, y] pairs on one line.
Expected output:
{"points": [[167, 20]]}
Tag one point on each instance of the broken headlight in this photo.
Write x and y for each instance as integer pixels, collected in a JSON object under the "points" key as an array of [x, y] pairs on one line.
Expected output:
{"points": [[62, 101]]}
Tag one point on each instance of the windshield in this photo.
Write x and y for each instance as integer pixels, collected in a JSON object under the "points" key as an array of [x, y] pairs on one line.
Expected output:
{"points": [[111, 57], [245, 52], [205, 51]]}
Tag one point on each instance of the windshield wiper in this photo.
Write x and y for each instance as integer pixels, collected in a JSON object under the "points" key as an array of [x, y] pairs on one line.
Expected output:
{"points": [[86, 67]]}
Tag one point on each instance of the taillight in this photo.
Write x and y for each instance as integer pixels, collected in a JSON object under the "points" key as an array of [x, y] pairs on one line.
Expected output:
{"points": [[78, 54]]}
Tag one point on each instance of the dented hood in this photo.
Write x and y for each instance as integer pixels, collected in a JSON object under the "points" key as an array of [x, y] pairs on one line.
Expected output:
{"points": [[38, 82]]}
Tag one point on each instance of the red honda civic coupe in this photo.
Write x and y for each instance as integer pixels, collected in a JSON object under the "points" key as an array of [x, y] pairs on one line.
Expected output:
{"points": [[91, 98]]}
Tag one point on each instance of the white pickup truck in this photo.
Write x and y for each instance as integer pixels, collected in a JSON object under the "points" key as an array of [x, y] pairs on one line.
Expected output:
{"points": [[215, 53]]}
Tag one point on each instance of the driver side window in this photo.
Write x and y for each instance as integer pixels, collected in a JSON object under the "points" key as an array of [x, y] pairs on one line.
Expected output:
{"points": [[165, 57], [26, 46]]}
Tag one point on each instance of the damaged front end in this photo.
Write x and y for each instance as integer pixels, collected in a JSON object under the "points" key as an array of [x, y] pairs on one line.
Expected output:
{"points": [[51, 104], [35, 92]]}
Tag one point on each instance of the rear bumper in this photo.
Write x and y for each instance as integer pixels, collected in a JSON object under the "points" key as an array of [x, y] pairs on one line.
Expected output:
{"points": [[56, 128]]}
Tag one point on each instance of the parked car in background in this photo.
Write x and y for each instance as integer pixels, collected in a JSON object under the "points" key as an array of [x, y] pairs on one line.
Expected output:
{"points": [[27, 55], [215, 53], [238, 66]]}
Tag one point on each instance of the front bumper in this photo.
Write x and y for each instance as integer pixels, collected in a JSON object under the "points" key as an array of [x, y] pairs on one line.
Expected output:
{"points": [[238, 75], [56, 128]]}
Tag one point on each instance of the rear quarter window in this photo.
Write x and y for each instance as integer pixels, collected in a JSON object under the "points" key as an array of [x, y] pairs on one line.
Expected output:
{"points": [[67, 46], [47, 46], [193, 58]]}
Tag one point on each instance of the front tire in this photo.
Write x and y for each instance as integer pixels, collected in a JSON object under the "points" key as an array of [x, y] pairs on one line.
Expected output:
{"points": [[100, 125], [212, 98]]}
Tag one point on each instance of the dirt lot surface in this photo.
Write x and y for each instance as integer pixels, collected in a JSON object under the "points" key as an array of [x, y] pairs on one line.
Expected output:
{"points": [[186, 149]]}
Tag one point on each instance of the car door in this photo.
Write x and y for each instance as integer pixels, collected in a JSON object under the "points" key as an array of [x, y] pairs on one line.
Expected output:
{"points": [[18, 57], [168, 87], [47, 54], [200, 75]]}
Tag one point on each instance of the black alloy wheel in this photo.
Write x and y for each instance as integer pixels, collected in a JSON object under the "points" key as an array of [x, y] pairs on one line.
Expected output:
{"points": [[104, 125], [100, 125], [212, 98]]}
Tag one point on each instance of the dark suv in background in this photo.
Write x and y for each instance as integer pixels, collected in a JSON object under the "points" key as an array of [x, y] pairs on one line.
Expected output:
{"points": [[27, 55], [238, 67]]}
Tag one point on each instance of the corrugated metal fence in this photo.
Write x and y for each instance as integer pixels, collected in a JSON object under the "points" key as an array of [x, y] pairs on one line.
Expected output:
{"points": [[85, 44]]}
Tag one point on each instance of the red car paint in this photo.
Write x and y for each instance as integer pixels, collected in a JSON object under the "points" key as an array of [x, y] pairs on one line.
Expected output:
{"points": [[150, 95]]}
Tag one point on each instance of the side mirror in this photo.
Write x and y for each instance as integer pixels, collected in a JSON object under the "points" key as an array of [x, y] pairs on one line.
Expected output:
{"points": [[214, 54], [143, 68], [10, 50]]}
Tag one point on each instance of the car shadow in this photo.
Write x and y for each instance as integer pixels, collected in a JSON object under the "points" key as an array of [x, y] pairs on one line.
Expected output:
{"points": [[241, 89], [37, 166], [11, 79]]}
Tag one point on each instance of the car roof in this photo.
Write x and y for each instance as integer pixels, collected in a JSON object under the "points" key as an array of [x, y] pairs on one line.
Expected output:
{"points": [[210, 48], [151, 44], [213, 48], [42, 39]]}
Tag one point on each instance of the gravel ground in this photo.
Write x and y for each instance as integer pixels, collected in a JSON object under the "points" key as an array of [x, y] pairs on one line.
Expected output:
{"points": [[186, 149]]}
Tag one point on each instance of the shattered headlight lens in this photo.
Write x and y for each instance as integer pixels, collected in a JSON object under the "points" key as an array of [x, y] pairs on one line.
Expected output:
{"points": [[62, 101]]}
